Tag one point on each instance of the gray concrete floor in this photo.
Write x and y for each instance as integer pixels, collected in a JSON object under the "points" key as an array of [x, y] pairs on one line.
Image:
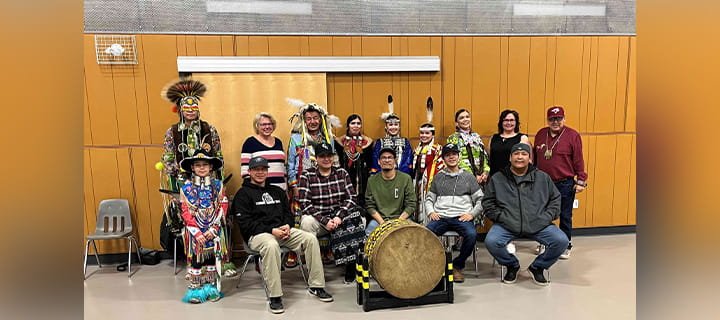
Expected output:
{"points": [[598, 282]]}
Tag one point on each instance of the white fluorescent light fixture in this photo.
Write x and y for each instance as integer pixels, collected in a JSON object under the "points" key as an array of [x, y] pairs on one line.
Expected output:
{"points": [[261, 7], [529, 9], [308, 64]]}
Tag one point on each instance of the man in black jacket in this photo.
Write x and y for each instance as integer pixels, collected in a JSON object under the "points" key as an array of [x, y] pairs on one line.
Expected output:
{"points": [[264, 217], [522, 201]]}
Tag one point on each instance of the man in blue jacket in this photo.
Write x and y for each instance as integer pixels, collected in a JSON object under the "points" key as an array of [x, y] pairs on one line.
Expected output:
{"points": [[522, 201]]}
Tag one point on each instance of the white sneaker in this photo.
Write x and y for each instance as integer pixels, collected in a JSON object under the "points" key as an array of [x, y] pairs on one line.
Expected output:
{"points": [[540, 249], [565, 255], [510, 248]]}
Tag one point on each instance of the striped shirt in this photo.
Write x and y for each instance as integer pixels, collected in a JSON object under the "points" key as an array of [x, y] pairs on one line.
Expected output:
{"points": [[326, 197], [275, 156]]}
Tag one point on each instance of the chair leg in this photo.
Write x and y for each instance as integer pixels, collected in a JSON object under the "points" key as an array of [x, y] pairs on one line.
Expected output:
{"points": [[302, 270], [87, 246], [247, 260], [475, 259], [175, 256], [97, 255], [137, 250], [129, 255]]}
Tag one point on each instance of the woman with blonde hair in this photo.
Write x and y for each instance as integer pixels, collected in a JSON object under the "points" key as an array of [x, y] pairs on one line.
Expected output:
{"points": [[264, 144]]}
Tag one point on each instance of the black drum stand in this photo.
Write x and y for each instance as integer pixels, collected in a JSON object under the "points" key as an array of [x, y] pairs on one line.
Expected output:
{"points": [[373, 300]]}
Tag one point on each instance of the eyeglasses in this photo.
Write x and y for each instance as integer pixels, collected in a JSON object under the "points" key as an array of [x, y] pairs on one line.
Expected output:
{"points": [[387, 158], [265, 124], [555, 119]]}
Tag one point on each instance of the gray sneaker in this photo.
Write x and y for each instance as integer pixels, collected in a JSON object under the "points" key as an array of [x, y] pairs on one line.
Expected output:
{"points": [[566, 254]]}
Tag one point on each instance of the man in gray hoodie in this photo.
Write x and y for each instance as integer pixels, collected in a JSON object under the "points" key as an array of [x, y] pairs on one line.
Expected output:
{"points": [[452, 203], [522, 201]]}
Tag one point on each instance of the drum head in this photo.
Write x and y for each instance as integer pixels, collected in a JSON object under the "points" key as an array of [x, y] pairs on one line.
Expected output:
{"points": [[409, 261]]}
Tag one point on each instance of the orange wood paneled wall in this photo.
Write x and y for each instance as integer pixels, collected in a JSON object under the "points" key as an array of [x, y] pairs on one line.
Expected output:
{"points": [[593, 77]]}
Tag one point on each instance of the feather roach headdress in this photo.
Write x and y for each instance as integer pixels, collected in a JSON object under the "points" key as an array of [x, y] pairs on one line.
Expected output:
{"points": [[328, 121], [184, 94]]}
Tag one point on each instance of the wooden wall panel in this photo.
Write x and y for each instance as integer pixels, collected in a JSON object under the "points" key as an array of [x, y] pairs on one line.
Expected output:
{"points": [[284, 46], [534, 118], [485, 84], [258, 46], [242, 45], [582, 126], [504, 58], [376, 46], [181, 45], [621, 84], [568, 79], [126, 104], [141, 96], [324, 46], [465, 68], [551, 74], [154, 198], [88, 192], [375, 88], [448, 78], [632, 87], [140, 174], [436, 88], [208, 46], [621, 184], [518, 78], [87, 131], [101, 97], [592, 82], [227, 44], [418, 88], [190, 45], [160, 69], [604, 180], [606, 87], [586, 198]]}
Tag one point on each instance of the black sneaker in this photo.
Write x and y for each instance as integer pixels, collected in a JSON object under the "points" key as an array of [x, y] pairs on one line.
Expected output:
{"points": [[321, 294], [511, 274], [276, 305], [538, 275]]}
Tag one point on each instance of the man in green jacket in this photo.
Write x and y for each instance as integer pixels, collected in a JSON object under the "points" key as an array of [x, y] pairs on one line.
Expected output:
{"points": [[390, 194], [522, 201]]}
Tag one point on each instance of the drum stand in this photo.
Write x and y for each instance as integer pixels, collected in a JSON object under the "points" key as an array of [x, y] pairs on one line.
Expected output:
{"points": [[373, 300]]}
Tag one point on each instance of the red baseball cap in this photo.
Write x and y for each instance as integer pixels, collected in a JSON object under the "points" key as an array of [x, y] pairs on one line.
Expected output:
{"points": [[555, 111]]}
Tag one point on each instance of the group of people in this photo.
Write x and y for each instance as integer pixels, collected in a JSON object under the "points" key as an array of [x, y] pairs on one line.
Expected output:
{"points": [[344, 187]]}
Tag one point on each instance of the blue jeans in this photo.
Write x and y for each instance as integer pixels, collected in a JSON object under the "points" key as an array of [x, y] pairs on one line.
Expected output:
{"points": [[465, 229], [554, 240], [567, 196], [371, 226]]}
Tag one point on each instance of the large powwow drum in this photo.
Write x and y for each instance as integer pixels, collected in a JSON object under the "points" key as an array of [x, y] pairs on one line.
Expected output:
{"points": [[405, 258]]}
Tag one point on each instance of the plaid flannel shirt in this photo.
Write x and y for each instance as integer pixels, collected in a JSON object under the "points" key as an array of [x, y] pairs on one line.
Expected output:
{"points": [[326, 197]]}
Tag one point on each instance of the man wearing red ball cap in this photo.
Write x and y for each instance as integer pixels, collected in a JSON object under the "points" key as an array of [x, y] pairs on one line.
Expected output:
{"points": [[558, 152]]}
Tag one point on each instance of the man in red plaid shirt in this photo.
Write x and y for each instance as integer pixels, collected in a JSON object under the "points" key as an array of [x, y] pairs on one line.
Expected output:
{"points": [[328, 203]]}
